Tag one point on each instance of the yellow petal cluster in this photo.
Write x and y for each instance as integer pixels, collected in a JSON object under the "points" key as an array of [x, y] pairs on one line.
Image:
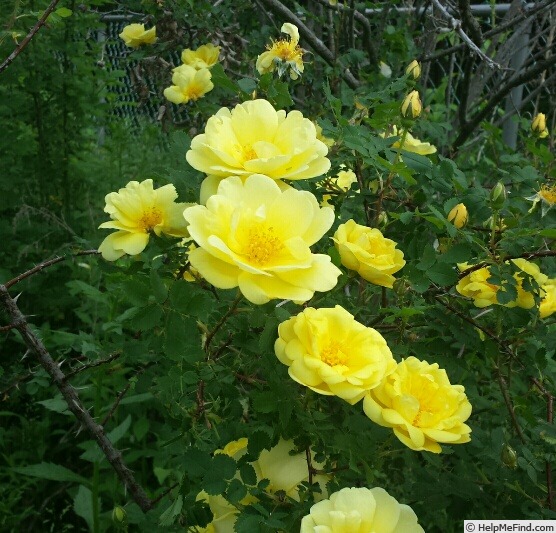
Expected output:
{"points": [[285, 472], [419, 403], [410, 143], [330, 352], [205, 56], [254, 138], [458, 216], [283, 55], [538, 126], [548, 303], [368, 252], [412, 106], [413, 70], [135, 211], [476, 286], [254, 236], [360, 510], [189, 84], [134, 35]]}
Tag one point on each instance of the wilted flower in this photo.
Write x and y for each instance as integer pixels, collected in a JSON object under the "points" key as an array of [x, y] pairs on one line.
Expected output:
{"points": [[330, 352], [257, 237], [414, 69], [134, 35], [136, 210], [546, 195], [418, 401], [385, 69], [254, 138], [411, 106], [360, 510], [189, 84], [205, 56], [548, 302], [538, 126], [283, 55], [368, 252], [458, 216], [410, 143]]}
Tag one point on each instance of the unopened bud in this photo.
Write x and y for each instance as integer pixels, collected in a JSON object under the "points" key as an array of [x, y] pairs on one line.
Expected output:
{"points": [[509, 456], [401, 286], [119, 514], [458, 216], [538, 126], [382, 219], [413, 70], [498, 196], [411, 106]]}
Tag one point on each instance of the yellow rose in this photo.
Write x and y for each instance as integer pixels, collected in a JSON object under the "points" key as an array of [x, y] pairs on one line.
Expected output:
{"points": [[548, 303], [283, 55], [360, 510], [254, 138], [330, 352], [255, 236], [134, 35], [413, 69], [419, 403], [546, 195], [525, 299], [136, 210], [411, 106], [189, 84], [205, 56], [368, 252], [476, 286], [458, 216], [410, 143], [538, 126]]}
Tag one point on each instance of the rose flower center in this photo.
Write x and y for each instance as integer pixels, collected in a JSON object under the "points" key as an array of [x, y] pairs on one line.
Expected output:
{"points": [[262, 245], [332, 354], [151, 218]]}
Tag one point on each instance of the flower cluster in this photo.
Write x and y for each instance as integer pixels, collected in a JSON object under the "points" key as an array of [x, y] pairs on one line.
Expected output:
{"points": [[192, 79]]}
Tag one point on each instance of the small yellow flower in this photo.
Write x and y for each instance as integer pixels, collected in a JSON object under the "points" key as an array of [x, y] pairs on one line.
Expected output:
{"points": [[418, 401], [413, 70], [360, 510], [410, 143], [368, 252], [538, 126], [254, 138], [546, 195], [136, 210], [189, 84], [330, 352], [253, 235], [458, 216], [548, 303], [283, 55], [326, 140], [411, 106], [134, 35], [525, 299], [205, 56]]}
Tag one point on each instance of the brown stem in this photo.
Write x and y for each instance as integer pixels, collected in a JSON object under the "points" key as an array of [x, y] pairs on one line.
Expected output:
{"points": [[94, 364], [309, 464], [509, 405], [222, 321], [46, 264], [29, 36], [73, 401]]}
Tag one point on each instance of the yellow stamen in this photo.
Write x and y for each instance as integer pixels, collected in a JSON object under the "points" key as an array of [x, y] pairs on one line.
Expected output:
{"points": [[548, 194], [332, 354], [262, 246], [151, 218]]}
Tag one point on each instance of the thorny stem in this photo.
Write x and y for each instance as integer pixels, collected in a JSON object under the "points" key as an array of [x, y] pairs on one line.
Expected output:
{"points": [[509, 405], [222, 321], [73, 401]]}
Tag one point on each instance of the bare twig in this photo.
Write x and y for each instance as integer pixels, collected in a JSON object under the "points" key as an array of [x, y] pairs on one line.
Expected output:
{"points": [[7, 62], [509, 405], [46, 264], [71, 397], [94, 364], [457, 26], [222, 321], [166, 492]]}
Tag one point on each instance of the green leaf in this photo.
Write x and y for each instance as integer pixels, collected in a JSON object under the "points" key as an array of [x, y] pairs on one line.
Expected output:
{"points": [[442, 274], [247, 85], [459, 253], [95, 454], [147, 318], [265, 402], [258, 441], [248, 474], [160, 290], [83, 505], [51, 471], [56, 404], [220, 79], [63, 12], [183, 340], [168, 517]]}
